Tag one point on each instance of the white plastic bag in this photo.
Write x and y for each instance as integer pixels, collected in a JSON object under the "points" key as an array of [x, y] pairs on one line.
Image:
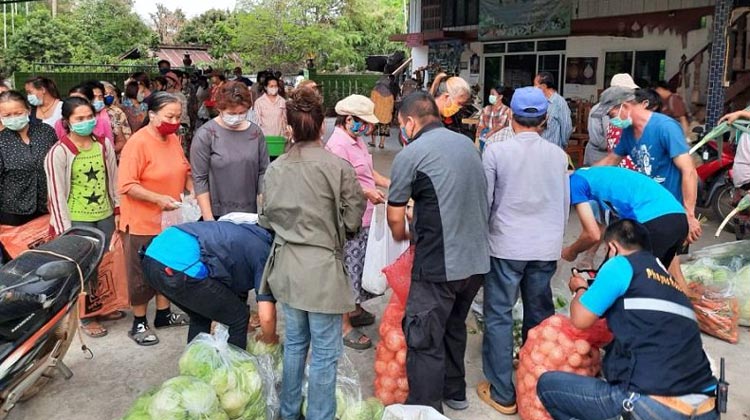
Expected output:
{"points": [[382, 250], [411, 412], [188, 211]]}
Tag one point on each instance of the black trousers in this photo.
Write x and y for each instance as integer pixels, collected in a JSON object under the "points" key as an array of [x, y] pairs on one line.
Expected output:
{"points": [[203, 300], [667, 234], [435, 329]]}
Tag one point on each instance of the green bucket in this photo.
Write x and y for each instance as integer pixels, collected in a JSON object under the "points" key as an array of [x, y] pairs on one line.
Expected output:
{"points": [[275, 145]]}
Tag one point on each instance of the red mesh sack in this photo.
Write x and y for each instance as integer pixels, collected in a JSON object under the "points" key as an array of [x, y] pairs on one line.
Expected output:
{"points": [[718, 314], [556, 345], [398, 274], [391, 385]]}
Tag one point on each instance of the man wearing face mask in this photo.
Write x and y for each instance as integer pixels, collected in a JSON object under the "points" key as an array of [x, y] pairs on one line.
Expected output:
{"points": [[271, 109], [655, 368], [356, 119], [657, 146], [164, 67], [628, 195]]}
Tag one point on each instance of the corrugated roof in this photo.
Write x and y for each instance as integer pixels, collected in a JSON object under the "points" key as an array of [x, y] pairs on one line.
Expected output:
{"points": [[175, 54]]}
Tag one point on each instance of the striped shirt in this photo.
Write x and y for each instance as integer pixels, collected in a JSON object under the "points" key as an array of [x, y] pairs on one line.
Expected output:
{"points": [[559, 122]]}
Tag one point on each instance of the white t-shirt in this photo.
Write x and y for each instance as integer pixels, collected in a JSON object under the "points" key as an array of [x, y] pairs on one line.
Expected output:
{"points": [[741, 168], [55, 116]]}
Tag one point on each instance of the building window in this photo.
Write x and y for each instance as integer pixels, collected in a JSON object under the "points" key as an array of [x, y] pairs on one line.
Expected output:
{"points": [[646, 67], [460, 13]]}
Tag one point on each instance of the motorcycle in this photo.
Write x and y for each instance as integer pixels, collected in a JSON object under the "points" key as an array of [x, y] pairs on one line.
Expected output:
{"points": [[715, 187], [39, 298]]}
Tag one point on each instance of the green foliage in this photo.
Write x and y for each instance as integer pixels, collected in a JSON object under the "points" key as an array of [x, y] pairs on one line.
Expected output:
{"points": [[111, 24], [216, 28]]}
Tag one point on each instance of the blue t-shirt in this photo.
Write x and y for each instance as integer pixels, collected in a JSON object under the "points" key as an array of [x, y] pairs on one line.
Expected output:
{"points": [[611, 282], [179, 251], [627, 193], [662, 141]]}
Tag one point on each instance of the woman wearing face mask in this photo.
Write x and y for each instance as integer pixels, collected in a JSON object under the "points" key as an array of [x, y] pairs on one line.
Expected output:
{"points": [[44, 97], [228, 157], [93, 91], [494, 117], [23, 146], [133, 105], [153, 174], [118, 119], [356, 119], [451, 94], [271, 109], [81, 173]]}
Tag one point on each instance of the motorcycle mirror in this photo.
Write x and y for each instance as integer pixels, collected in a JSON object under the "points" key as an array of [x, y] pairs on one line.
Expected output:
{"points": [[55, 270]]}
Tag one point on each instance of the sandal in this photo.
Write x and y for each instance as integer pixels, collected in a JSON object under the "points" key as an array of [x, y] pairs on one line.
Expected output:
{"points": [[143, 336], [353, 340], [483, 390], [382, 146], [174, 320], [371, 144], [362, 319], [92, 328], [112, 316]]}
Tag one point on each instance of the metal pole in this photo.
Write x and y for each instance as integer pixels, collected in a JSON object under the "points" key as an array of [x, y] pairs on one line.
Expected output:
{"points": [[54, 9], [13, 8], [5, 27]]}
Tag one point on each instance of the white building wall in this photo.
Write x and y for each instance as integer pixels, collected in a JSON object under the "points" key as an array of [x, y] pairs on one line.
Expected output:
{"points": [[598, 46]]}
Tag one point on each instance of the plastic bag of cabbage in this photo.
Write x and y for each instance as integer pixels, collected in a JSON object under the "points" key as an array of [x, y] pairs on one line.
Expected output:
{"points": [[274, 351], [349, 403], [180, 398], [725, 269], [244, 384]]}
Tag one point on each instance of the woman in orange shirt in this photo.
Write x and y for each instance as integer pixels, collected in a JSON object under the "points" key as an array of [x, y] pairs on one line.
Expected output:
{"points": [[153, 174]]}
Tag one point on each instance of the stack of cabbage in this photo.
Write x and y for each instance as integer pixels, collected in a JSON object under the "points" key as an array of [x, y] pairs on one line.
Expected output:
{"points": [[217, 382]]}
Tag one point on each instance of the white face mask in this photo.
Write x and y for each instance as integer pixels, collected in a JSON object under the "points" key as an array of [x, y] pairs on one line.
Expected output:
{"points": [[272, 91], [233, 120]]}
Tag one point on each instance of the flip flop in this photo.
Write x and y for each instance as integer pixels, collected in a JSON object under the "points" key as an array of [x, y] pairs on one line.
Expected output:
{"points": [[175, 320], [144, 337], [371, 144], [353, 340], [362, 320], [483, 390], [89, 327]]}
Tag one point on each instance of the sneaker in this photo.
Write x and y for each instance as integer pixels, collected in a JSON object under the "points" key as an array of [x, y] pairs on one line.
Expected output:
{"points": [[457, 405]]}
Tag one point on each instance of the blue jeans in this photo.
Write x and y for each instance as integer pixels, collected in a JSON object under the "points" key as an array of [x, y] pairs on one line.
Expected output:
{"points": [[568, 396], [323, 331], [501, 286]]}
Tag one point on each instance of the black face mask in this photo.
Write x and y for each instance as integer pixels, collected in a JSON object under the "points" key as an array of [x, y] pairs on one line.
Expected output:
{"points": [[607, 257], [164, 71]]}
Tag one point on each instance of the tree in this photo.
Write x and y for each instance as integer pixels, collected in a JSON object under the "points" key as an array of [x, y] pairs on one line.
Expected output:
{"points": [[215, 28], [167, 23], [111, 24], [43, 39]]}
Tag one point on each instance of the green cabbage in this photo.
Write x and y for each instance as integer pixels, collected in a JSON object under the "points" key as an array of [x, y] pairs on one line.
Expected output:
{"points": [[200, 360], [239, 387], [139, 410], [358, 411], [742, 291], [376, 408], [185, 398]]}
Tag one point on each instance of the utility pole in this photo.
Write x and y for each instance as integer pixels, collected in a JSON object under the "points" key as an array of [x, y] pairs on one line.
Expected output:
{"points": [[54, 9], [5, 27]]}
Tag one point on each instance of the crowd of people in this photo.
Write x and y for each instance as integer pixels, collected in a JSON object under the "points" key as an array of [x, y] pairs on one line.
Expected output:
{"points": [[295, 230]]}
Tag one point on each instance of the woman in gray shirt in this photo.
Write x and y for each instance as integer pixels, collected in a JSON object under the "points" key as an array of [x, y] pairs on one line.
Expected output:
{"points": [[228, 156]]}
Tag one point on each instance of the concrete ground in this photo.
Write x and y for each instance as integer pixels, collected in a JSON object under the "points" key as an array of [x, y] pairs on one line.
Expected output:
{"points": [[104, 388]]}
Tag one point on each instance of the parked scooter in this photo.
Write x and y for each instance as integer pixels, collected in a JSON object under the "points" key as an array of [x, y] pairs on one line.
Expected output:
{"points": [[715, 188], [39, 294]]}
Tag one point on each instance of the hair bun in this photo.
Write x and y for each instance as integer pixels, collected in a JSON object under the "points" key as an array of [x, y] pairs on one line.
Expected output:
{"points": [[304, 100]]}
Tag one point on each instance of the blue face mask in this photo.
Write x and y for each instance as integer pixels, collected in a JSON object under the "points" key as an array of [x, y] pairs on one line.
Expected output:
{"points": [[619, 122], [98, 105], [404, 135], [33, 99], [359, 128], [109, 100], [83, 128]]}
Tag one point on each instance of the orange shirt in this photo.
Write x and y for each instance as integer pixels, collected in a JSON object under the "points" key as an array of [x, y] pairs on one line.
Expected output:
{"points": [[156, 165]]}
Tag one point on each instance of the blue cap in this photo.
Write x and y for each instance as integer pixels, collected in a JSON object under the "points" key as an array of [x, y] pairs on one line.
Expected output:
{"points": [[529, 102]]}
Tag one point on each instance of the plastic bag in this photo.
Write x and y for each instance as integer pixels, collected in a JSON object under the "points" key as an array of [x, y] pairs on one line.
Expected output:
{"points": [[17, 239], [188, 211], [724, 270], [398, 274], [717, 314], [111, 291], [349, 403], [381, 251], [391, 383], [556, 345], [243, 383], [411, 412], [185, 397]]}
